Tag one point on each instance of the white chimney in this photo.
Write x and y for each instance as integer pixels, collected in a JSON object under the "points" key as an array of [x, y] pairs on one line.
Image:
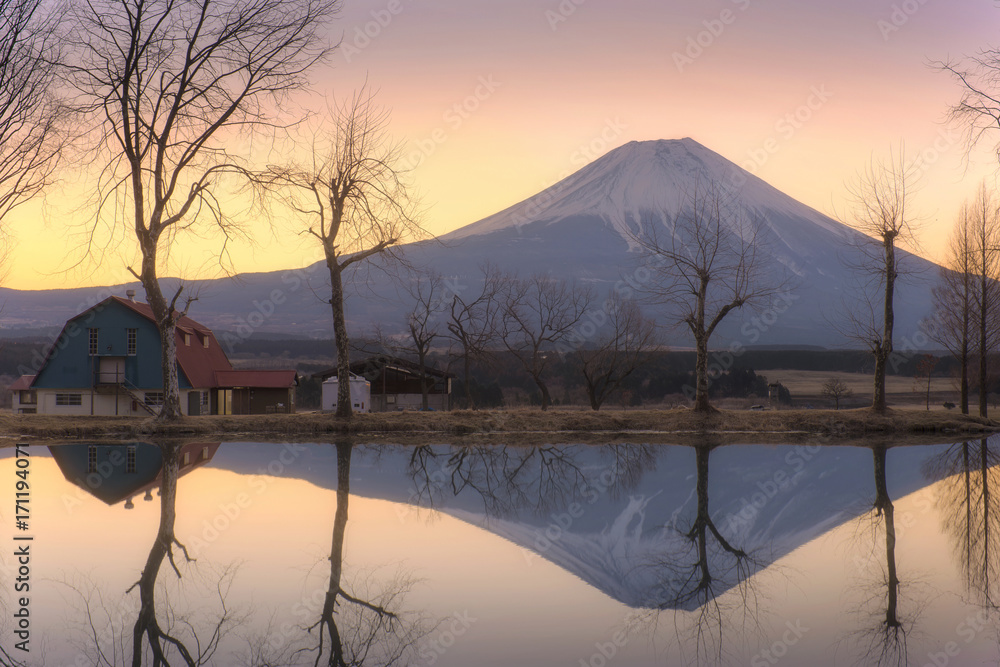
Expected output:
{"points": [[130, 293]]}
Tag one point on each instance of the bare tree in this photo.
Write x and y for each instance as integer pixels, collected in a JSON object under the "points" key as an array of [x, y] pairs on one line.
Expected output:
{"points": [[954, 298], [880, 198], [351, 198], [539, 313], [30, 141], [709, 265], [986, 265], [925, 371], [627, 337], [836, 389], [423, 323], [167, 84], [473, 321]]}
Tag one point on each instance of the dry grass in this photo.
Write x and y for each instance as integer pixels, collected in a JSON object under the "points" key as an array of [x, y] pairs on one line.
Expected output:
{"points": [[563, 425]]}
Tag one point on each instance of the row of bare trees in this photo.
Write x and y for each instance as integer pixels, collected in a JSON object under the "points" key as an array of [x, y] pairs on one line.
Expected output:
{"points": [[534, 319], [967, 297]]}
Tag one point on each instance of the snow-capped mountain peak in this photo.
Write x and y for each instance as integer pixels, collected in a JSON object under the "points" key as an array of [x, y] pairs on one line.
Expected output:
{"points": [[650, 178]]}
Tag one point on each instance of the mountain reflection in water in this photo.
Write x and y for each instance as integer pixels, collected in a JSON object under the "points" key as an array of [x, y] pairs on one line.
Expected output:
{"points": [[635, 554]]}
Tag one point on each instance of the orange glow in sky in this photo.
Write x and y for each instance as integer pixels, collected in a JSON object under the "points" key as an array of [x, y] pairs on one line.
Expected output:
{"points": [[493, 102]]}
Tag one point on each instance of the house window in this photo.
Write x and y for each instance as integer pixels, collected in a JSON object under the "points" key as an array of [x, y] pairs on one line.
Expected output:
{"points": [[91, 459], [69, 399], [187, 339], [130, 341], [28, 397], [130, 459], [153, 398], [93, 342], [204, 341], [204, 401]]}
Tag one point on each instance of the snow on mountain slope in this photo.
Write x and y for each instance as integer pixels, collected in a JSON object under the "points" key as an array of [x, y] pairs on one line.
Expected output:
{"points": [[633, 504], [650, 177]]}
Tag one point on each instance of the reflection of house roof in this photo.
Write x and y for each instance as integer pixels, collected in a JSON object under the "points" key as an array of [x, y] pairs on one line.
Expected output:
{"points": [[263, 379], [23, 382], [114, 485]]}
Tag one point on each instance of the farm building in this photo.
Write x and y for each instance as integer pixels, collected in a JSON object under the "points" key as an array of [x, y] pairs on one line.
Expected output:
{"points": [[395, 384], [361, 394], [106, 361]]}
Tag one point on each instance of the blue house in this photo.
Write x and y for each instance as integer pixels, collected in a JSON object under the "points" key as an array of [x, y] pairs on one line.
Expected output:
{"points": [[106, 361]]}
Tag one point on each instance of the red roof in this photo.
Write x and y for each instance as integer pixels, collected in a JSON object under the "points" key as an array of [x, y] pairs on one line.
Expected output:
{"points": [[23, 382], [198, 363], [264, 379]]}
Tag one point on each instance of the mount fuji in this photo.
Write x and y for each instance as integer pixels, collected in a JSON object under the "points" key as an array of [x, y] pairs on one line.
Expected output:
{"points": [[578, 229]]}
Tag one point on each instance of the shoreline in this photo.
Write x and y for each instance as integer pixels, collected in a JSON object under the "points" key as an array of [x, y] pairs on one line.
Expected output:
{"points": [[836, 427]]}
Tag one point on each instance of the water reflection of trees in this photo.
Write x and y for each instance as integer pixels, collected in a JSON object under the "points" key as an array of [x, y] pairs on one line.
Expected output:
{"points": [[511, 480], [352, 631], [883, 641], [703, 566], [969, 502], [160, 634]]}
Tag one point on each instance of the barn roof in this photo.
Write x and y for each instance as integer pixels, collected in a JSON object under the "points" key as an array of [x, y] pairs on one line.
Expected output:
{"points": [[263, 379]]}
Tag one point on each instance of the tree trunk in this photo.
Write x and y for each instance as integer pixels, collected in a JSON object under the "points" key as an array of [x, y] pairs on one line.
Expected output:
{"points": [[964, 355], [344, 410], [146, 623], [878, 395], [544, 389], [964, 359], [701, 402], [328, 615], [424, 389], [166, 325], [884, 350], [983, 314], [467, 370], [884, 507]]}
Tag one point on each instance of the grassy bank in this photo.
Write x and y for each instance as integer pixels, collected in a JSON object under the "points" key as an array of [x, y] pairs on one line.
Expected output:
{"points": [[654, 425]]}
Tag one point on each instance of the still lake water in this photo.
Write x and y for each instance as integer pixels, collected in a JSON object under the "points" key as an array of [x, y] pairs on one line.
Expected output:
{"points": [[571, 555]]}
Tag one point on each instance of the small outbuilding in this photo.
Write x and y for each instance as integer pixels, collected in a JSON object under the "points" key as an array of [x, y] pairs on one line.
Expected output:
{"points": [[395, 384], [361, 394]]}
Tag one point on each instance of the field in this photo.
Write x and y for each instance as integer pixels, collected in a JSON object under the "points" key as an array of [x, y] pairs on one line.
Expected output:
{"points": [[901, 392]]}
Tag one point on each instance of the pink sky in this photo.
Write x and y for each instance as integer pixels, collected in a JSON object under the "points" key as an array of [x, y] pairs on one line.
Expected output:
{"points": [[495, 101]]}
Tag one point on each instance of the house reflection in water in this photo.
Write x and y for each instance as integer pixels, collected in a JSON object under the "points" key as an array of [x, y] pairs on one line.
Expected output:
{"points": [[116, 472]]}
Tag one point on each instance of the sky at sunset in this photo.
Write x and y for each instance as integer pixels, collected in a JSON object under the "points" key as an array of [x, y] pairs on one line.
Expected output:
{"points": [[494, 101]]}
